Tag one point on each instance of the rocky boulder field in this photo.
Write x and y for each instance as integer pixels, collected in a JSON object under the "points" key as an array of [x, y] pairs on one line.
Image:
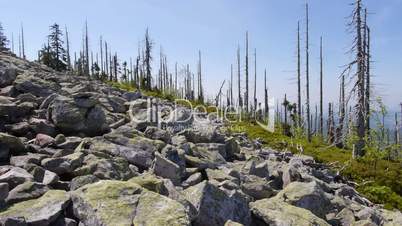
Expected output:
{"points": [[71, 155]]}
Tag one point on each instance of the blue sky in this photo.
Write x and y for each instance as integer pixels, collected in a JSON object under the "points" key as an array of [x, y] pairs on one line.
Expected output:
{"points": [[217, 27]]}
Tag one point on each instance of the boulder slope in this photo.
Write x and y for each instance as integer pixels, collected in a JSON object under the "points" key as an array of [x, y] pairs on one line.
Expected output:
{"points": [[70, 155]]}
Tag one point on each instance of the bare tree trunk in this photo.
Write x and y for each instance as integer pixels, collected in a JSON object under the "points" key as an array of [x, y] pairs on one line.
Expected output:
{"points": [[106, 59], [175, 74], [299, 115], [101, 53], [361, 130], [86, 49], [367, 108], [266, 107], [255, 81], [231, 85], [246, 94], [23, 42], [12, 43], [68, 51], [238, 78], [321, 90], [200, 88], [307, 78], [341, 113]]}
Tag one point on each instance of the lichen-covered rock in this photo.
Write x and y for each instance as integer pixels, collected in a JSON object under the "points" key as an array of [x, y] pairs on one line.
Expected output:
{"points": [[167, 169], [23, 160], [30, 83], [26, 191], [14, 176], [70, 118], [309, 196], [290, 174], [10, 145], [65, 164], [157, 134], [125, 203], [80, 181], [258, 188], [40, 211], [192, 180], [215, 207], [277, 213], [7, 76]]}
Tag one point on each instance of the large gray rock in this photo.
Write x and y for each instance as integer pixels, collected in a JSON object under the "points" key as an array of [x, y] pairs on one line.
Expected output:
{"points": [[26, 191], [192, 180], [290, 174], [7, 76], [125, 203], [277, 213], [309, 196], [3, 191], [258, 188], [80, 181], [41, 211], [31, 83], [167, 169], [70, 118], [23, 160], [105, 167], [10, 145], [14, 176], [42, 126], [131, 96], [157, 134], [65, 164], [215, 207]]}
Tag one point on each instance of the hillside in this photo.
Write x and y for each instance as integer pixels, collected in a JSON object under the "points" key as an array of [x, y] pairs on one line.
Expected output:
{"points": [[72, 155]]}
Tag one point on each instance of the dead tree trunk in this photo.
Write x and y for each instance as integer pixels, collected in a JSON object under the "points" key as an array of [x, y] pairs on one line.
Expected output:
{"points": [[321, 90], [299, 115], [231, 85], [307, 78], [86, 50], [238, 78], [367, 108], [246, 94], [68, 51], [255, 81], [23, 42], [266, 108], [361, 130]]}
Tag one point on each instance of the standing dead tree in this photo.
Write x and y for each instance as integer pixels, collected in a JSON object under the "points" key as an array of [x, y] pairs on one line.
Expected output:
{"points": [[231, 86], [360, 123], [246, 94], [321, 89], [307, 78], [238, 79], [200, 88], [23, 42], [299, 115], [68, 50], [255, 81], [367, 97], [266, 107]]}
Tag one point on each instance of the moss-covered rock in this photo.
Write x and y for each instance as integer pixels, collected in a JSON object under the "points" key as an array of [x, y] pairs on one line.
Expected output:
{"points": [[309, 196], [40, 211], [119, 203], [276, 212], [215, 207]]}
